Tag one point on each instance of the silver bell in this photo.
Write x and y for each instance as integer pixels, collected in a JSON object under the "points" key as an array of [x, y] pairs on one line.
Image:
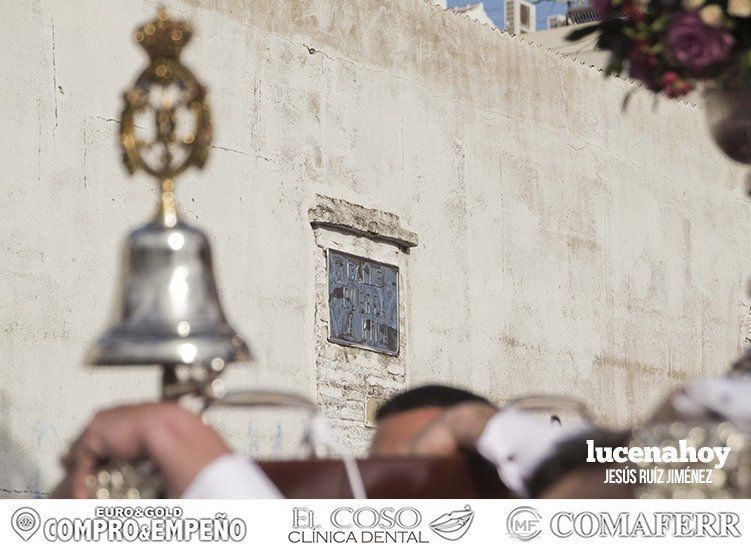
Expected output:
{"points": [[169, 313]]}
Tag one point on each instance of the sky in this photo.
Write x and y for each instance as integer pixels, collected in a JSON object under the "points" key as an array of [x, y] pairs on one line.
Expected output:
{"points": [[494, 8]]}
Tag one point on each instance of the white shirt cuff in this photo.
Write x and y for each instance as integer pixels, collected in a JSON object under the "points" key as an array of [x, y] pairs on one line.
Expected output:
{"points": [[231, 476], [517, 442]]}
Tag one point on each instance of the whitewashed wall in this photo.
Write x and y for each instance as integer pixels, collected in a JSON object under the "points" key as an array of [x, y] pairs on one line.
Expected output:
{"points": [[564, 246]]}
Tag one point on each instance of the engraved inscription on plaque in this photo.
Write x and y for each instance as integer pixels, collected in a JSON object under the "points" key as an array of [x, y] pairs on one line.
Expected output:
{"points": [[363, 303]]}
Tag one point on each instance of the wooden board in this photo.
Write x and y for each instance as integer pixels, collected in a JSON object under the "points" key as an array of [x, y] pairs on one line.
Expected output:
{"points": [[390, 478]]}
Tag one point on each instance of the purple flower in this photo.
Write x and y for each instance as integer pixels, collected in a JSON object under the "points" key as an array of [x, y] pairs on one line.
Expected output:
{"points": [[696, 45]]}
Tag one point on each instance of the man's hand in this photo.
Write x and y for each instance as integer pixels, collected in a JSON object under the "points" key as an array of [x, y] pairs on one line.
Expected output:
{"points": [[458, 428], [177, 441]]}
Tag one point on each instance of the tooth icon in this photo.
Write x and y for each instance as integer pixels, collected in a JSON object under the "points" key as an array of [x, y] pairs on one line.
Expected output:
{"points": [[454, 525]]}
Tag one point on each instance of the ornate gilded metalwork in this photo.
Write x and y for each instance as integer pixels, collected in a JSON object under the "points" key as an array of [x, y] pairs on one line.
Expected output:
{"points": [[166, 125], [169, 312]]}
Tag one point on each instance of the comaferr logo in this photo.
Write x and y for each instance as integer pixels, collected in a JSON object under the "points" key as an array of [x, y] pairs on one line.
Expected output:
{"points": [[524, 523], [641, 524]]}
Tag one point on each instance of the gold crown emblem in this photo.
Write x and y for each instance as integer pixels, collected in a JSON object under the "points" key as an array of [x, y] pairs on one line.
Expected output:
{"points": [[164, 37]]}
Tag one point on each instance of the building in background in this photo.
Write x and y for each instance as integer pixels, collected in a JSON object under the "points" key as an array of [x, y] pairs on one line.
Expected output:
{"points": [[554, 38], [578, 13], [496, 9], [555, 21], [523, 17], [476, 12], [520, 16]]}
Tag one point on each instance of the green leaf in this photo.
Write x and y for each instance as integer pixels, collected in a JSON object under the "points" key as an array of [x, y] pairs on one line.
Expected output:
{"points": [[615, 66], [659, 24]]}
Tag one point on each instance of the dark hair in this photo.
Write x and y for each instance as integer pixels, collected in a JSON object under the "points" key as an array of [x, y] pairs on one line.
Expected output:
{"points": [[426, 396]]}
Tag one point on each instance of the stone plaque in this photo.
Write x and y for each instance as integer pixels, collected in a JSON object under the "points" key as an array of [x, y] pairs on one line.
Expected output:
{"points": [[363, 303]]}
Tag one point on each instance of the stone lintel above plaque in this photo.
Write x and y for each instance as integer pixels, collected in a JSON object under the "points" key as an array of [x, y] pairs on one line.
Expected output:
{"points": [[361, 221]]}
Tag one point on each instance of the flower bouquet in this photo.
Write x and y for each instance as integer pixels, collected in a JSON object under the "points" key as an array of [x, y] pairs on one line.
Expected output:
{"points": [[673, 46]]}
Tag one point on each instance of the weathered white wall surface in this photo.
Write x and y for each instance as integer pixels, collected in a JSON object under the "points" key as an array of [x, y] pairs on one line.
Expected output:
{"points": [[564, 247]]}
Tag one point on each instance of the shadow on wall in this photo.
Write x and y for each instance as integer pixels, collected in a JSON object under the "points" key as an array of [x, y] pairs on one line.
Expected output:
{"points": [[19, 476]]}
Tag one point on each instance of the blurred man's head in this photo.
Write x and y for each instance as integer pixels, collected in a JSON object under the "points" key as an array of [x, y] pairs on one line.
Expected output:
{"points": [[405, 415]]}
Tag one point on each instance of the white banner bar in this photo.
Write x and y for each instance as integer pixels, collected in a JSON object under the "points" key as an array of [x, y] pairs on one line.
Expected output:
{"points": [[374, 521]]}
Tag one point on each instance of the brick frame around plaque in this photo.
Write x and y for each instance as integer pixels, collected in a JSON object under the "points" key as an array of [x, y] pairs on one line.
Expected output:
{"points": [[347, 376]]}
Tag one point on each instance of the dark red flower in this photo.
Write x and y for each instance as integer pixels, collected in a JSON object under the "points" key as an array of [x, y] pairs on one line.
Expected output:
{"points": [[634, 12], [673, 86], [668, 78]]}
